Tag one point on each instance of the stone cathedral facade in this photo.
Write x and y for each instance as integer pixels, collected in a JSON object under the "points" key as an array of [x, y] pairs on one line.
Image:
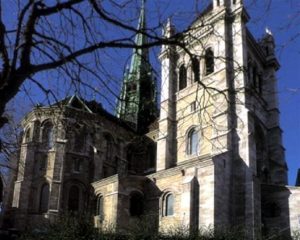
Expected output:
{"points": [[212, 155]]}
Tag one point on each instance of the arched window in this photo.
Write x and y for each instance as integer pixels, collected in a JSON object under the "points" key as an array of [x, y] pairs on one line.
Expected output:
{"points": [[79, 138], [136, 207], [47, 136], [73, 203], [182, 77], [99, 206], [27, 135], [44, 198], [257, 80], [36, 130], [192, 142], [209, 61], [196, 69], [169, 205]]}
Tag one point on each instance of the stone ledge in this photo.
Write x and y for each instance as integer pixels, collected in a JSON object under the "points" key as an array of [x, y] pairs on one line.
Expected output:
{"points": [[201, 162], [102, 182]]}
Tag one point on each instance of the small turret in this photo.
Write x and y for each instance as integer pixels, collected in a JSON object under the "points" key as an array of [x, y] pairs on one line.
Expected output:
{"points": [[169, 29], [167, 32], [268, 43]]}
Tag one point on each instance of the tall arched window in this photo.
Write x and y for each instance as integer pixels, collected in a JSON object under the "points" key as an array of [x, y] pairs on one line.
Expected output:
{"points": [[79, 138], [182, 77], [73, 203], [192, 142], [47, 136], [209, 61], [169, 205], [196, 69], [27, 135], [99, 206], [44, 198], [136, 207]]}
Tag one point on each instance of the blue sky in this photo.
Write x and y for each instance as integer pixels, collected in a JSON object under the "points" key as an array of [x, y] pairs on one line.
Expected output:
{"points": [[280, 17], [283, 18]]}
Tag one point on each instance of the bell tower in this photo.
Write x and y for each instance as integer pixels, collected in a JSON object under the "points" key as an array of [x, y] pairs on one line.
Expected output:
{"points": [[137, 103]]}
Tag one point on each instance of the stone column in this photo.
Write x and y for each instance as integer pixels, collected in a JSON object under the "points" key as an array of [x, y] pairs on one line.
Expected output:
{"points": [[23, 184], [56, 185], [166, 143]]}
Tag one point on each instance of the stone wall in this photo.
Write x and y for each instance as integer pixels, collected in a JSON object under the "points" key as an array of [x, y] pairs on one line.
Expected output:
{"points": [[193, 187], [294, 208]]}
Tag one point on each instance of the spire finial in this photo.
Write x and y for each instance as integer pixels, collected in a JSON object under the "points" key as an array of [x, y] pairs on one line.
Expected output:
{"points": [[168, 29], [142, 22], [268, 31]]}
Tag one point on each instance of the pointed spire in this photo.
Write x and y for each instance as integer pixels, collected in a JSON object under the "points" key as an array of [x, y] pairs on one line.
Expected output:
{"points": [[140, 55], [169, 29], [137, 103], [142, 19]]}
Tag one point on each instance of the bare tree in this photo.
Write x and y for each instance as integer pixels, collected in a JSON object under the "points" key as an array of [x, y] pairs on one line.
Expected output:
{"points": [[70, 37], [65, 36]]}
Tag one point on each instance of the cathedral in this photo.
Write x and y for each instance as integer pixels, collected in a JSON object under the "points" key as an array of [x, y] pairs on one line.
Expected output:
{"points": [[209, 153]]}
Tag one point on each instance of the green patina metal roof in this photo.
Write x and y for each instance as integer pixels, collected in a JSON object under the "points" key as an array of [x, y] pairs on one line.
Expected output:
{"points": [[137, 103]]}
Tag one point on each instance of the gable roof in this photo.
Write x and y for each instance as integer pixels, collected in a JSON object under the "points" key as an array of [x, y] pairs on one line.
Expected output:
{"points": [[74, 102], [78, 103], [93, 107]]}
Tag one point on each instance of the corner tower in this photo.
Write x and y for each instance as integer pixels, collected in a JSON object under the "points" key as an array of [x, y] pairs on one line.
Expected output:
{"points": [[137, 103]]}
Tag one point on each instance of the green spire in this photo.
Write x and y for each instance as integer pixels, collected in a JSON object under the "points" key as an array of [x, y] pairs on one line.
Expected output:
{"points": [[137, 104]]}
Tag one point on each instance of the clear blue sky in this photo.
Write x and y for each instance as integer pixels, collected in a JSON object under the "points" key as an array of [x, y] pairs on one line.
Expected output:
{"points": [[280, 17], [283, 18]]}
